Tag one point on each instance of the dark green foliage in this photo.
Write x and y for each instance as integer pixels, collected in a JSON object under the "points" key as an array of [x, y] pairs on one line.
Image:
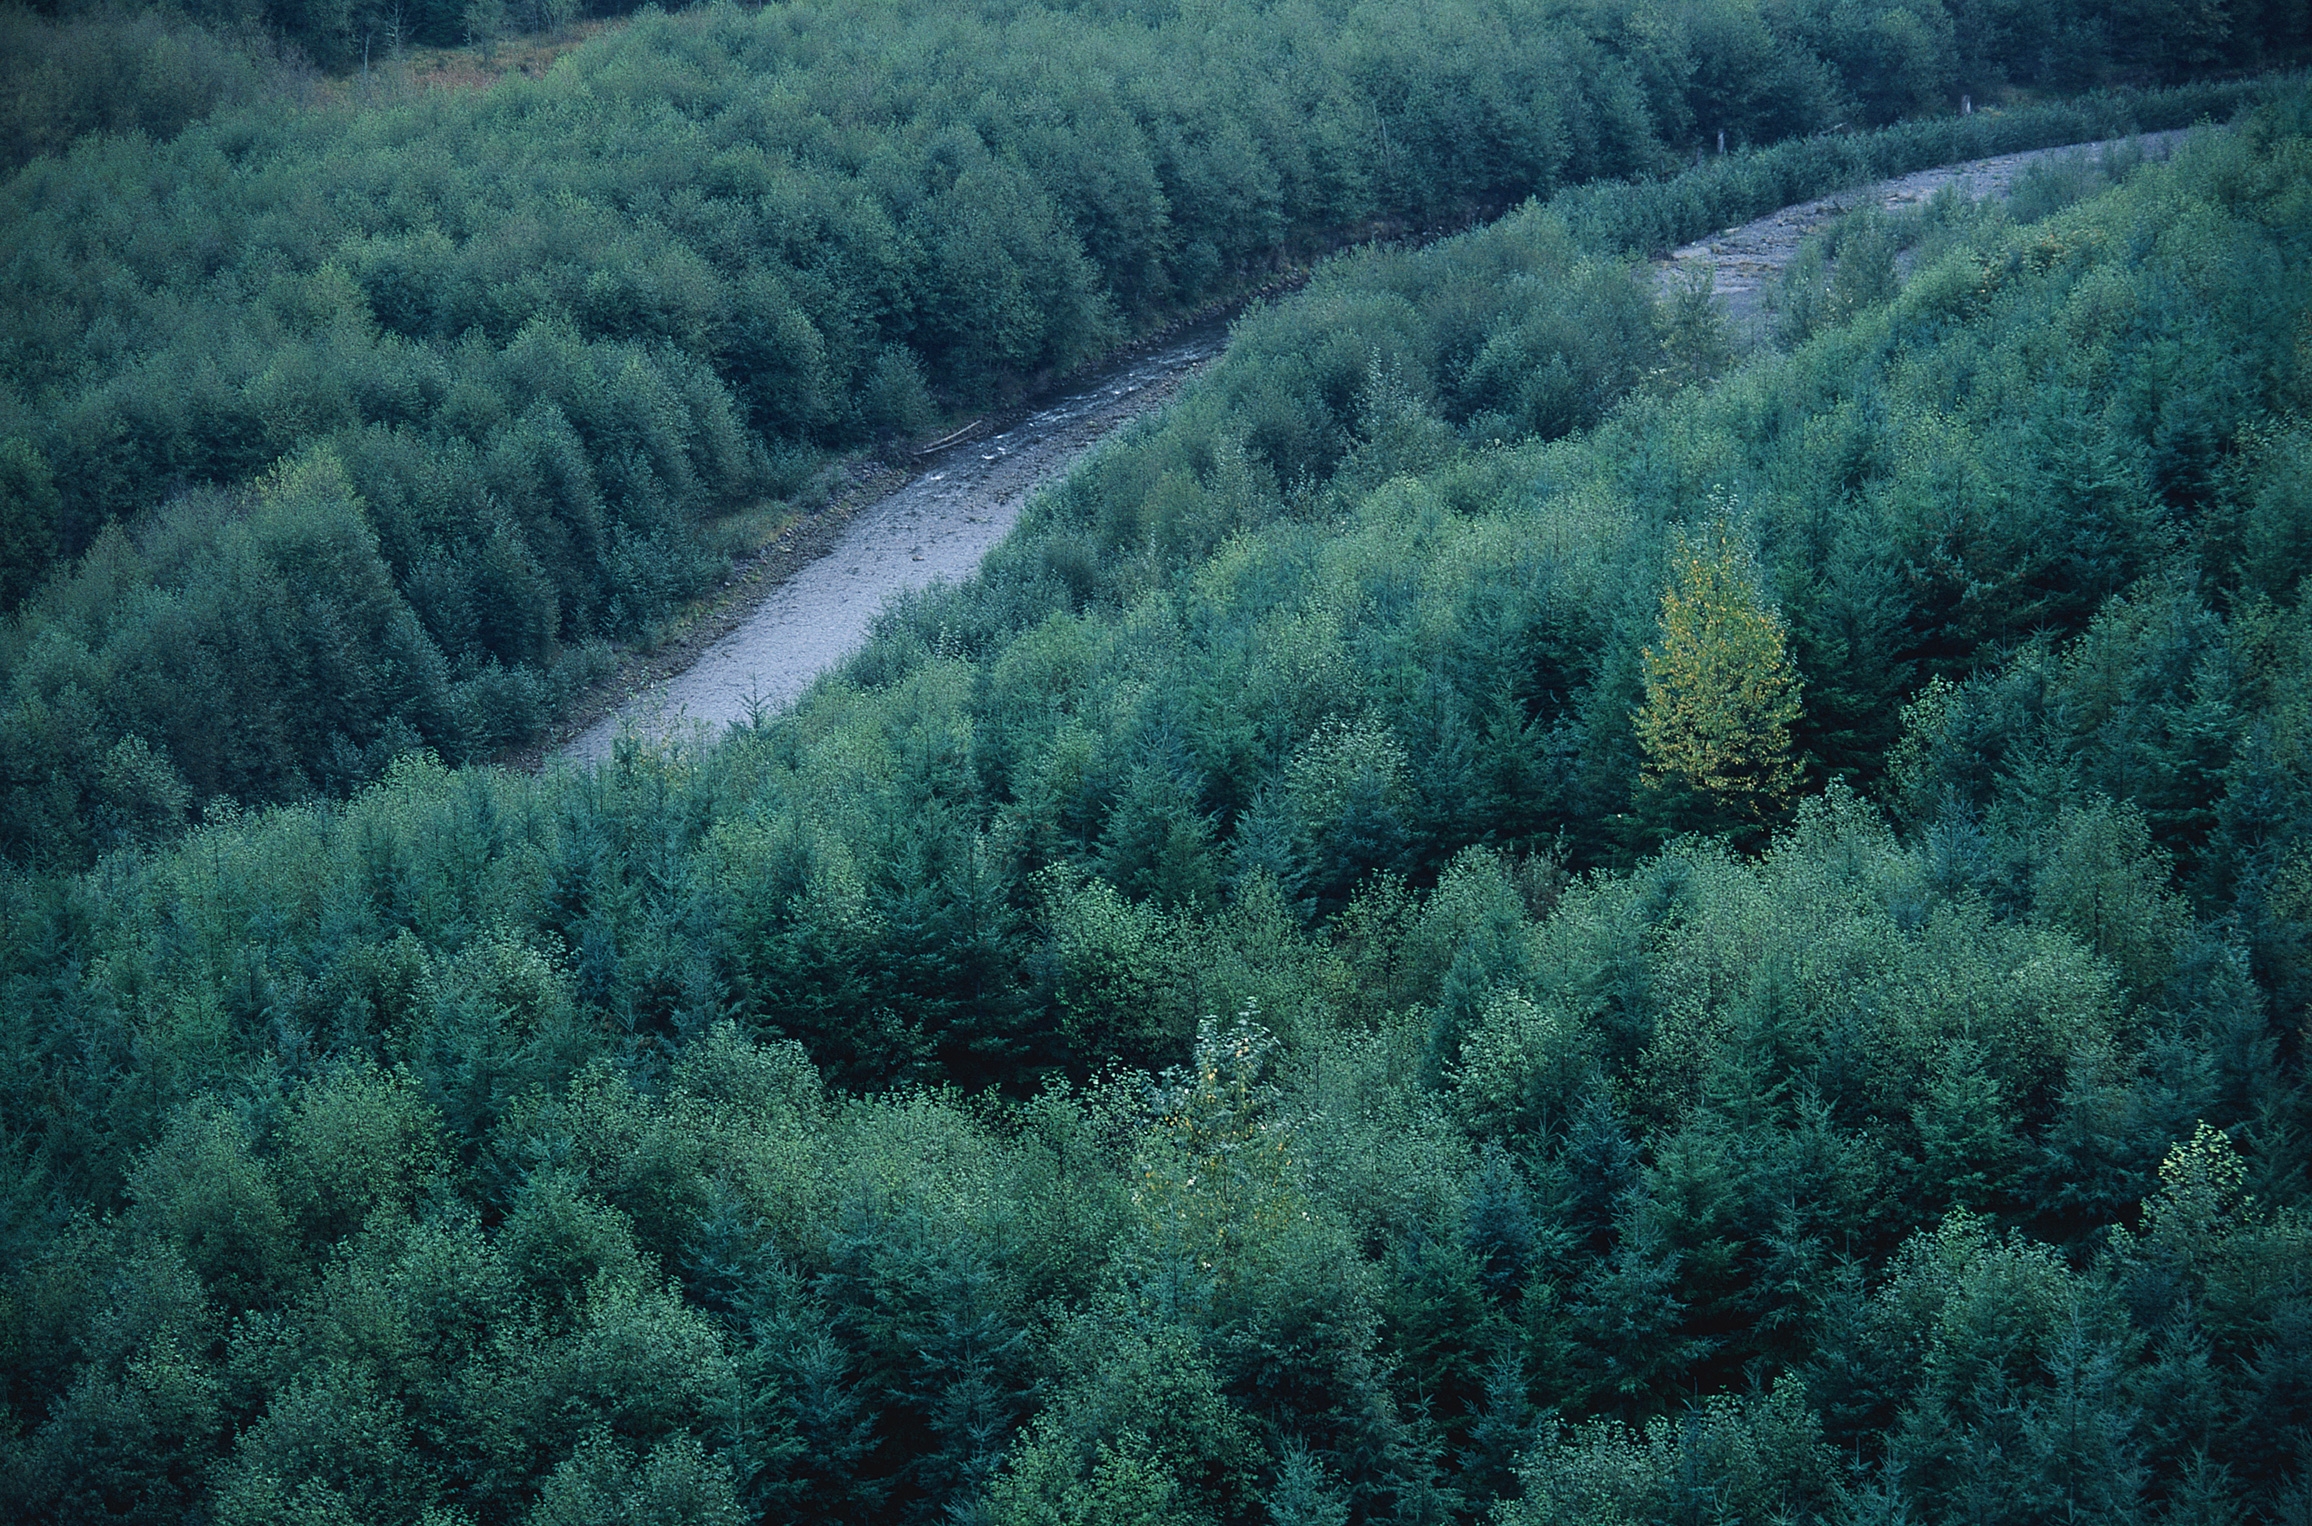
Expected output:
{"points": [[464, 1149], [114, 68], [251, 650], [30, 509]]}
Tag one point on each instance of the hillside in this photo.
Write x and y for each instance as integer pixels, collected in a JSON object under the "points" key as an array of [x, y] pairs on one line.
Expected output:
{"points": [[1502, 914], [341, 424]]}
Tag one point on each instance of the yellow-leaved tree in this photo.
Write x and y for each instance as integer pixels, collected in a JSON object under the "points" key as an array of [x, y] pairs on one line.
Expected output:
{"points": [[1720, 690]]}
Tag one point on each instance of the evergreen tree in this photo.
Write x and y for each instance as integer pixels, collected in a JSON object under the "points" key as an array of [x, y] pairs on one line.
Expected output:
{"points": [[29, 508], [1721, 694]]}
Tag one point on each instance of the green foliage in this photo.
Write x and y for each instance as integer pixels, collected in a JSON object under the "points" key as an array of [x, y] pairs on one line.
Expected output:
{"points": [[113, 68], [1721, 192], [1145, 1435], [246, 650], [29, 510], [837, 1125], [329, 1448], [551, 377], [599, 1487], [356, 1145], [1720, 694], [204, 1194], [2102, 884], [126, 1445], [1723, 1460]]}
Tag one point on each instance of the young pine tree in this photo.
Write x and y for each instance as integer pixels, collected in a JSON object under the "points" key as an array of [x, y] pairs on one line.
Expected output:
{"points": [[1720, 692]]}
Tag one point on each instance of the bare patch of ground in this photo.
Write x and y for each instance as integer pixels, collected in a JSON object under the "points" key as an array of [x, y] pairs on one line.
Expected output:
{"points": [[413, 71]]}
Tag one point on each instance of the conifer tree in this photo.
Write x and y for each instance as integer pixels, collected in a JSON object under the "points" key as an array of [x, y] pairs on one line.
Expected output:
{"points": [[1720, 690]]}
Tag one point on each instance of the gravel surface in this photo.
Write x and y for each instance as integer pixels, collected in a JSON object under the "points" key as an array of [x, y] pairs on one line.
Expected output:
{"points": [[964, 499], [1742, 263]]}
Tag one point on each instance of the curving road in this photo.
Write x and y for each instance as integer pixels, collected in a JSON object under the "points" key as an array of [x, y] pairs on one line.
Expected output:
{"points": [[964, 499], [967, 496], [1742, 263]]}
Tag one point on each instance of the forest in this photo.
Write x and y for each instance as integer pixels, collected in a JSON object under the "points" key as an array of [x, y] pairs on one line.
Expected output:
{"points": [[1521, 909], [340, 430]]}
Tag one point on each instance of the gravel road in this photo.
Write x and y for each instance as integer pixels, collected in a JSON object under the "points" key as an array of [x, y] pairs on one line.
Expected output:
{"points": [[1743, 262], [964, 499]]}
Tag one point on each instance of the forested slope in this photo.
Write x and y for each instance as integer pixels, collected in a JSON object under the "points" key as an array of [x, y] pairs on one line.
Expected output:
{"points": [[1738, 953], [464, 387]]}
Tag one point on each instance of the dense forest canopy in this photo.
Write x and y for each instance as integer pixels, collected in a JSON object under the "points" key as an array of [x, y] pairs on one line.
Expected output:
{"points": [[332, 432], [1503, 914]]}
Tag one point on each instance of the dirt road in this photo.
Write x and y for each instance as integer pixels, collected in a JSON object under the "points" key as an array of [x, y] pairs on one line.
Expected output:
{"points": [[963, 500], [1744, 262]]}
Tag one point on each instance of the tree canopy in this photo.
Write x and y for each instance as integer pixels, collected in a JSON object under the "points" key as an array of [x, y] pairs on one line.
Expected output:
{"points": [[1193, 1024]]}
